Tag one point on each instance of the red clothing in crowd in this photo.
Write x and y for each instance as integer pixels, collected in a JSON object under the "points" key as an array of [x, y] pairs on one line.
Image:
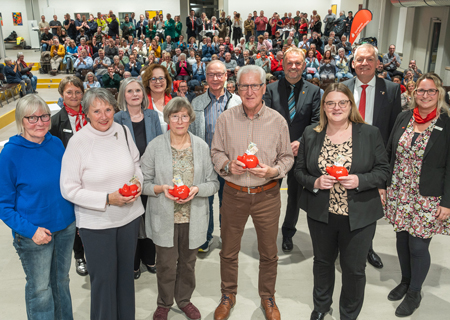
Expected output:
{"points": [[276, 65], [261, 23]]}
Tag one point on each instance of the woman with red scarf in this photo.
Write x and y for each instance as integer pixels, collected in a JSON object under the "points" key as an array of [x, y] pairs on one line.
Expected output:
{"points": [[417, 199], [158, 85], [25, 71], [65, 124]]}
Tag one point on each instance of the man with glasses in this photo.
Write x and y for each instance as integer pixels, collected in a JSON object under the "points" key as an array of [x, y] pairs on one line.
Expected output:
{"points": [[391, 61], [208, 107], [183, 92], [298, 101], [250, 192], [378, 101]]}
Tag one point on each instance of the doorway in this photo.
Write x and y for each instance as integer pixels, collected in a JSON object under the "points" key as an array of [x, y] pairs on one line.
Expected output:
{"points": [[433, 44], [210, 7]]}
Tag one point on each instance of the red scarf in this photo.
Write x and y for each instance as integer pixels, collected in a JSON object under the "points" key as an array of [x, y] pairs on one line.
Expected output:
{"points": [[77, 116], [167, 98], [24, 65], [418, 118]]}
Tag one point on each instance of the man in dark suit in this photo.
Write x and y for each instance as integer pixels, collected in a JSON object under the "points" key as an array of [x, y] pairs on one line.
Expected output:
{"points": [[298, 102], [191, 26], [378, 100]]}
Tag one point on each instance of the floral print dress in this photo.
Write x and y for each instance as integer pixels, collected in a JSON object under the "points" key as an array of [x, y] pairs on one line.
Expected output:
{"points": [[406, 209], [183, 165]]}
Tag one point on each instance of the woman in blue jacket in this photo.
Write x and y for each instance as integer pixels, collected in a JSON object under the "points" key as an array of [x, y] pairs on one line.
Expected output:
{"points": [[144, 126], [31, 204]]}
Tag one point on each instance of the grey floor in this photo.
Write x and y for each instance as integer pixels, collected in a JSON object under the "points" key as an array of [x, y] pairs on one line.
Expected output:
{"points": [[294, 281]]}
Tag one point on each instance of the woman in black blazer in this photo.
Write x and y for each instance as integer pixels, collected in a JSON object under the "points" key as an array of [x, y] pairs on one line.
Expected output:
{"points": [[342, 213], [184, 69], [417, 199]]}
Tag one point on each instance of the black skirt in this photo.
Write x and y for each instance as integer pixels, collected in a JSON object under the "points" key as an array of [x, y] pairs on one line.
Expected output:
{"points": [[237, 33]]}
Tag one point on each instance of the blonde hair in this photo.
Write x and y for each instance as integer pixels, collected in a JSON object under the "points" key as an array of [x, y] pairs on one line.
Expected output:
{"points": [[442, 106], [354, 115], [28, 105]]}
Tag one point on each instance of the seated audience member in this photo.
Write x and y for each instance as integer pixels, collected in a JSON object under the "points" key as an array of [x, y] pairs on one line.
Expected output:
{"points": [[99, 35], [13, 76], [291, 36], [183, 92], [379, 71], [192, 45], [199, 69], [111, 79], [133, 67], [230, 64], [202, 44], [181, 44], [342, 66], [251, 46], [71, 56], [416, 71], [90, 81], [46, 39], [231, 87], [247, 59], [124, 45], [84, 62], [228, 45], [335, 38], [407, 95], [318, 54], [118, 67], [191, 59], [264, 62], [168, 45], [141, 49], [101, 64], [207, 51], [169, 64], [316, 82], [214, 57], [391, 61], [25, 71], [205, 88], [92, 44], [83, 46], [266, 37], [81, 35], [221, 53], [233, 77], [407, 76], [277, 66], [150, 60], [57, 53], [138, 57], [240, 45], [237, 56], [183, 69], [311, 65], [262, 42], [398, 79], [383, 75], [327, 69], [317, 42], [304, 44], [277, 42], [111, 50], [344, 44], [176, 57], [123, 58], [330, 47]]}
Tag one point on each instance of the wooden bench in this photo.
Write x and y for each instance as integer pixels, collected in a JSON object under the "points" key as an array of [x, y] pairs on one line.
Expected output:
{"points": [[22, 44], [12, 88]]}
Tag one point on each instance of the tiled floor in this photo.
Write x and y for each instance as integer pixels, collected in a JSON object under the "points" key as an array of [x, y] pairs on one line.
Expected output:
{"points": [[294, 282]]}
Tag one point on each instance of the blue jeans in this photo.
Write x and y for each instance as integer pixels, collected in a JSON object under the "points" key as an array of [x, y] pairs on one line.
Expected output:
{"points": [[260, 33], [206, 59], [47, 294], [45, 47], [199, 77], [309, 76], [341, 75], [211, 213], [278, 74], [33, 80]]}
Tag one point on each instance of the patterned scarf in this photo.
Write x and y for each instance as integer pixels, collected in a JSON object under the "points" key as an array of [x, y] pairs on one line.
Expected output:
{"points": [[77, 116]]}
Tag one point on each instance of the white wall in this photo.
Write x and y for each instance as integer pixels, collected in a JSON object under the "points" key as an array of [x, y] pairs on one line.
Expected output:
{"points": [[7, 7]]}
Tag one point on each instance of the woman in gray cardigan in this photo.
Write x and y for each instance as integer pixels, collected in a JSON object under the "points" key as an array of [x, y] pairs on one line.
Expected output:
{"points": [[144, 126], [177, 227]]}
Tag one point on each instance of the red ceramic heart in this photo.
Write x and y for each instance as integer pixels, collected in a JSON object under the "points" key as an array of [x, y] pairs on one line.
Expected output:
{"points": [[337, 171], [128, 190], [180, 192], [250, 160]]}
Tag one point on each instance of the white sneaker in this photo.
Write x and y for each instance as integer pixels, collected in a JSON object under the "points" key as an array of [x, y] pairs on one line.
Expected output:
{"points": [[205, 247]]}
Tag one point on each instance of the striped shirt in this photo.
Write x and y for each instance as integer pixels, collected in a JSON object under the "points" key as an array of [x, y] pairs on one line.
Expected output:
{"points": [[212, 113], [268, 130]]}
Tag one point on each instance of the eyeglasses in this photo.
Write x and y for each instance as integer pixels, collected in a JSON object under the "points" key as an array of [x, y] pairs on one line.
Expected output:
{"points": [[254, 87], [155, 80], [342, 104], [431, 92], [35, 119], [76, 93], [216, 75], [184, 118]]}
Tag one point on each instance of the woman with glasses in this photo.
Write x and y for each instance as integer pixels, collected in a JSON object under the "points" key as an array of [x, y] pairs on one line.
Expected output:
{"points": [[342, 212], [31, 204], [177, 227], [158, 85], [144, 126], [417, 199]]}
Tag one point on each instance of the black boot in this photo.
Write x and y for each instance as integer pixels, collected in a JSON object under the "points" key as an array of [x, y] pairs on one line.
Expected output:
{"points": [[409, 304], [399, 291]]}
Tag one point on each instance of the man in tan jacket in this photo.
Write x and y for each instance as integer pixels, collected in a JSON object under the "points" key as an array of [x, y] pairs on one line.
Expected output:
{"points": [[57, 53]]}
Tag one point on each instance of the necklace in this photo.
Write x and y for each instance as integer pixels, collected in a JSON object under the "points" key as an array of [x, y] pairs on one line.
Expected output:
{"points": [[137, 115]]}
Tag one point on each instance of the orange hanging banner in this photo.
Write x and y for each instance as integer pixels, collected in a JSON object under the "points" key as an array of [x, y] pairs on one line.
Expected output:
{"points": [[361, 19]]}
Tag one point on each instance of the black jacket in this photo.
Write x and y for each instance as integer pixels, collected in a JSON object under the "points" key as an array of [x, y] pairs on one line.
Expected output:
{"points": [[61, 127], [435, 171], [188, 68], [307, 107], [113, 28], [369, 163]]}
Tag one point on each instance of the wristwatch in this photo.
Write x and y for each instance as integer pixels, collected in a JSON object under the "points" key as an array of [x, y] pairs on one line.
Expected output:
{"points": [[227, 168]]}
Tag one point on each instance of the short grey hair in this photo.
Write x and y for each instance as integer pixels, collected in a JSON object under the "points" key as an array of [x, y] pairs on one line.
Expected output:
{"points": [[82, 38], [19, 54], [184, 55], [121, 101], [176, 105], [216, 62], [101, 94], [90, 73], [232, 83], [341, 49], [367, 46], [28, 105], [251, 69], [7, 60]]}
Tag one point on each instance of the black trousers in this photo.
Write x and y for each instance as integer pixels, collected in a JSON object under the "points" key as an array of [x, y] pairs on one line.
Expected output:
{"points": [[78, 248], [145, 249], [292, 209], [328, 240]]}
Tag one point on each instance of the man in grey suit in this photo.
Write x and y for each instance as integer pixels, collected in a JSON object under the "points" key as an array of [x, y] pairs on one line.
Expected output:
{"points": [[378, 100], [298, 102]]}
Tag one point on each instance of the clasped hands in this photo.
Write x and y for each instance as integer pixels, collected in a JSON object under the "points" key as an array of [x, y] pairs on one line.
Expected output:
{"points": [[326, 182], [264, 171]]}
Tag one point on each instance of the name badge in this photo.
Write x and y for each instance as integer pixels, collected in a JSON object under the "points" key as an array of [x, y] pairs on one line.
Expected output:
{"points": [[438, 128], [70, 131]]}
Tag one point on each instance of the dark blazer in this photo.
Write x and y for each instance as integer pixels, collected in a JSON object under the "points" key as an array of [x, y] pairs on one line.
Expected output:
{"points": [[61, 127], [189, 30], [151, 119], [435, 171], [188, 68], [387, 104], [369, 163], [307, 108]]}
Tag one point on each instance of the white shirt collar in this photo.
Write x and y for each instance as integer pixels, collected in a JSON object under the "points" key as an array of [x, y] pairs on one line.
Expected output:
{"points": [[371, 83]]}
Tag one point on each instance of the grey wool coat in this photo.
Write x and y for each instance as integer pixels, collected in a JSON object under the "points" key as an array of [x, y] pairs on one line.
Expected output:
{"points": [[156, 164]]}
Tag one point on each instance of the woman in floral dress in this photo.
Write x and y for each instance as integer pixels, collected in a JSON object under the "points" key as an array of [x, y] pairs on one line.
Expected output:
{"points": [[417, 199]]}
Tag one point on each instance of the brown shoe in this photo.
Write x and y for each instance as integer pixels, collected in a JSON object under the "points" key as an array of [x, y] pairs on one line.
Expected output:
{"points": [[224, 308], [270, 309]]}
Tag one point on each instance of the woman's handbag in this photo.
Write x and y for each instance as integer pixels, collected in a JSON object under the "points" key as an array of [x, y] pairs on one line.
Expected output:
{"points": [[311, 70]]}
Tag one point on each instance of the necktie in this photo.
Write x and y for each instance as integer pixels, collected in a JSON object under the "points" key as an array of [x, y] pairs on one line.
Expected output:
{"points": [[362, 101], [291, 103], [192, 23]]}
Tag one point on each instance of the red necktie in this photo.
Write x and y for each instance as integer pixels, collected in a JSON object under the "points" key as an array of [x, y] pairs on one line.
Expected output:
{"points": [[192, 23], [362, 101]]}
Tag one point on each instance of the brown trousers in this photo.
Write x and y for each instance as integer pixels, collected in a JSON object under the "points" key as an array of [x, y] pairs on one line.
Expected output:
{"points": [[176, 269], [264, 208]]}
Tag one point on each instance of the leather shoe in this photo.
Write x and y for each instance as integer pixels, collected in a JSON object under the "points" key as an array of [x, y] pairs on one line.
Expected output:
{"points": [[191, 312], [137, 274], [409, 304], [374, 259], [288, 245], [81, 267], [316, 315], [270, 309], [151, 269], [223, 310], [161, 313], [398, 292]]}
